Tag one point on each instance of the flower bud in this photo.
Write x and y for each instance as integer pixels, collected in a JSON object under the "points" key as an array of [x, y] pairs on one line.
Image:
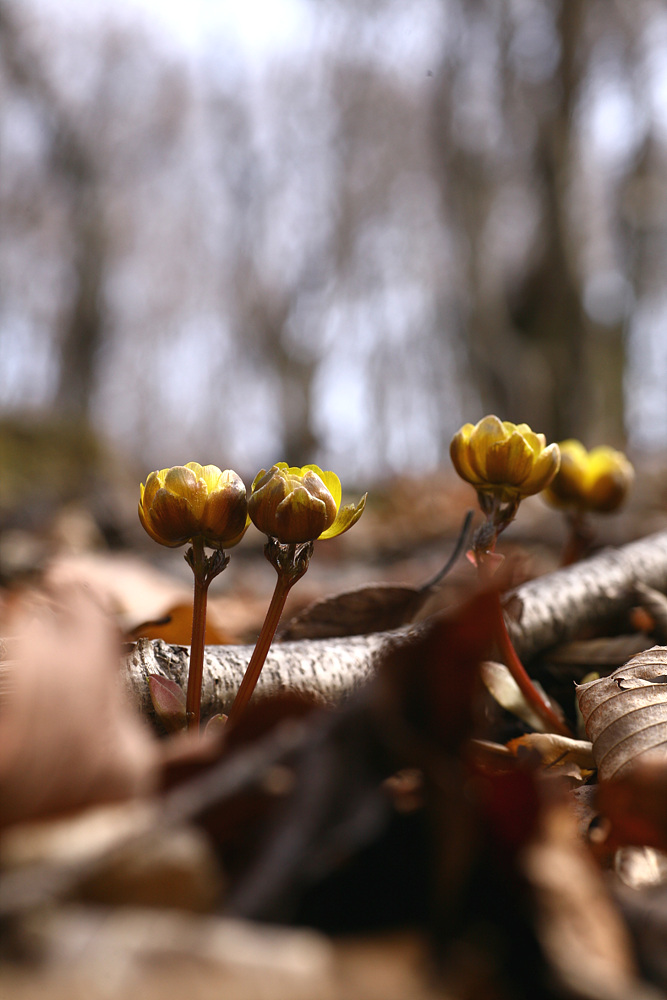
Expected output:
{"points": [[596, 480], [296, 505], [189, 501], [506, 460]]}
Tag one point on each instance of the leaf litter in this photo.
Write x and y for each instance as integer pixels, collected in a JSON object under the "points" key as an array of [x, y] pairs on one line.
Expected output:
{"points": [[376, 818]]}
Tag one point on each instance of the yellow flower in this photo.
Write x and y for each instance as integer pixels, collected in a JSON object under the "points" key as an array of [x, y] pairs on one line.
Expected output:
{"points": [[300, 505], [596, 480], [189, 501], [506, 460]]}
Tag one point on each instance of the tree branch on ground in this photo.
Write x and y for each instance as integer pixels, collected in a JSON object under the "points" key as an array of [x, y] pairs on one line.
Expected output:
{"points": [[542, 613]]}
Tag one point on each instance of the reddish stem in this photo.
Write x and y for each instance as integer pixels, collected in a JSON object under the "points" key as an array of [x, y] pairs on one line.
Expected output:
{"points": [[196, 672], [553, 723], [518, 672], [249, 683], [580, 539]]}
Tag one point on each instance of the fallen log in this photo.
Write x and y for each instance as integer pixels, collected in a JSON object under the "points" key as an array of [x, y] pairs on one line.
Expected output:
{"points": [[542, 613]]}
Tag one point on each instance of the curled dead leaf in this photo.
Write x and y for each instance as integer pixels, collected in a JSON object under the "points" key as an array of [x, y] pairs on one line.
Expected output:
{"points": [[625, 714], [572, 759], [501, 685]]}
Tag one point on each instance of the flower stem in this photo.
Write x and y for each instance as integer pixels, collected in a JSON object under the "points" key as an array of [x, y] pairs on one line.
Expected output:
{"points": [[553, 723], [534, 698], [251, 676], [196, 672], [580, 539], [290, 562]]}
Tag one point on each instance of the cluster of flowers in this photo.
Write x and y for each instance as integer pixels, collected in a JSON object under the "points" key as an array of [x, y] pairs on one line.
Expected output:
{"points": [[210, 508], [293, 505], [506, 462]]}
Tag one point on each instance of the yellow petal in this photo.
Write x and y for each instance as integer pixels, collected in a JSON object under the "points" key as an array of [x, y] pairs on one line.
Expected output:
{"points": [[610, 477], [260, 475], [487, 432], [268, 491], [331, 481], [181, 481], [212, 476], [544, 469], [509, 462], [459, 452], [231, 541], [346, 517], [225, 514], [195, 468], [148, 527], [300, 517], [154, 482], [536, 442], [172, 518]]}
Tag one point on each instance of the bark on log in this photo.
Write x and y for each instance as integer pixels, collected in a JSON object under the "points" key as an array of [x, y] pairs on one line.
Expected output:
{"points": [[556, 607], [327, 669], [549, 610]]}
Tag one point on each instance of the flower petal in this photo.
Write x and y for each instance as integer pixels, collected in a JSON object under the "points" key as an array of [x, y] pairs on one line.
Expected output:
{"points": [[181, 481], [154, 482], [194, 467], [488, 432], [172, 518], [459, 451], [230, 540], [300, 517], [148, 527], [331, 481], [544, 469], [212, 476], [224, 518], [510, 461], [346, 517], [260, 475]]}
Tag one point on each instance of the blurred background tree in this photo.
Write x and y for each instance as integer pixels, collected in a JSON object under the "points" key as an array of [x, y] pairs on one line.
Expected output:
{"points": [[338, 246]]}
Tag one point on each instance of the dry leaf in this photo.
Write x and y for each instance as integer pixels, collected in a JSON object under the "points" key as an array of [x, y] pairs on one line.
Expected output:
{"points": [[175, 627], [499, 682], [625, 714], [374, 608], [640, 867], [579, 928], [68, 738], [120, 854], [558, 754], [636, 806]]}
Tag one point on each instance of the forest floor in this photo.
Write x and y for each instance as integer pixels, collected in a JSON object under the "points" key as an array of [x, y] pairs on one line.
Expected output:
{"points": [[416, 840]]}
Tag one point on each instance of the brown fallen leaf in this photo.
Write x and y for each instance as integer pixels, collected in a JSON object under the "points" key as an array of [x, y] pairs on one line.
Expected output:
{"points": [[572, 759], [635, 805], [376, 607], [501, 685], [578, 925], [625, 714], [68, 737], [175, 627]]}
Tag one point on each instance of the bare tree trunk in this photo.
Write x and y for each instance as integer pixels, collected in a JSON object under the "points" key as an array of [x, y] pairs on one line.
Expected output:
{"points": [[82, 322], [533, 353]]}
